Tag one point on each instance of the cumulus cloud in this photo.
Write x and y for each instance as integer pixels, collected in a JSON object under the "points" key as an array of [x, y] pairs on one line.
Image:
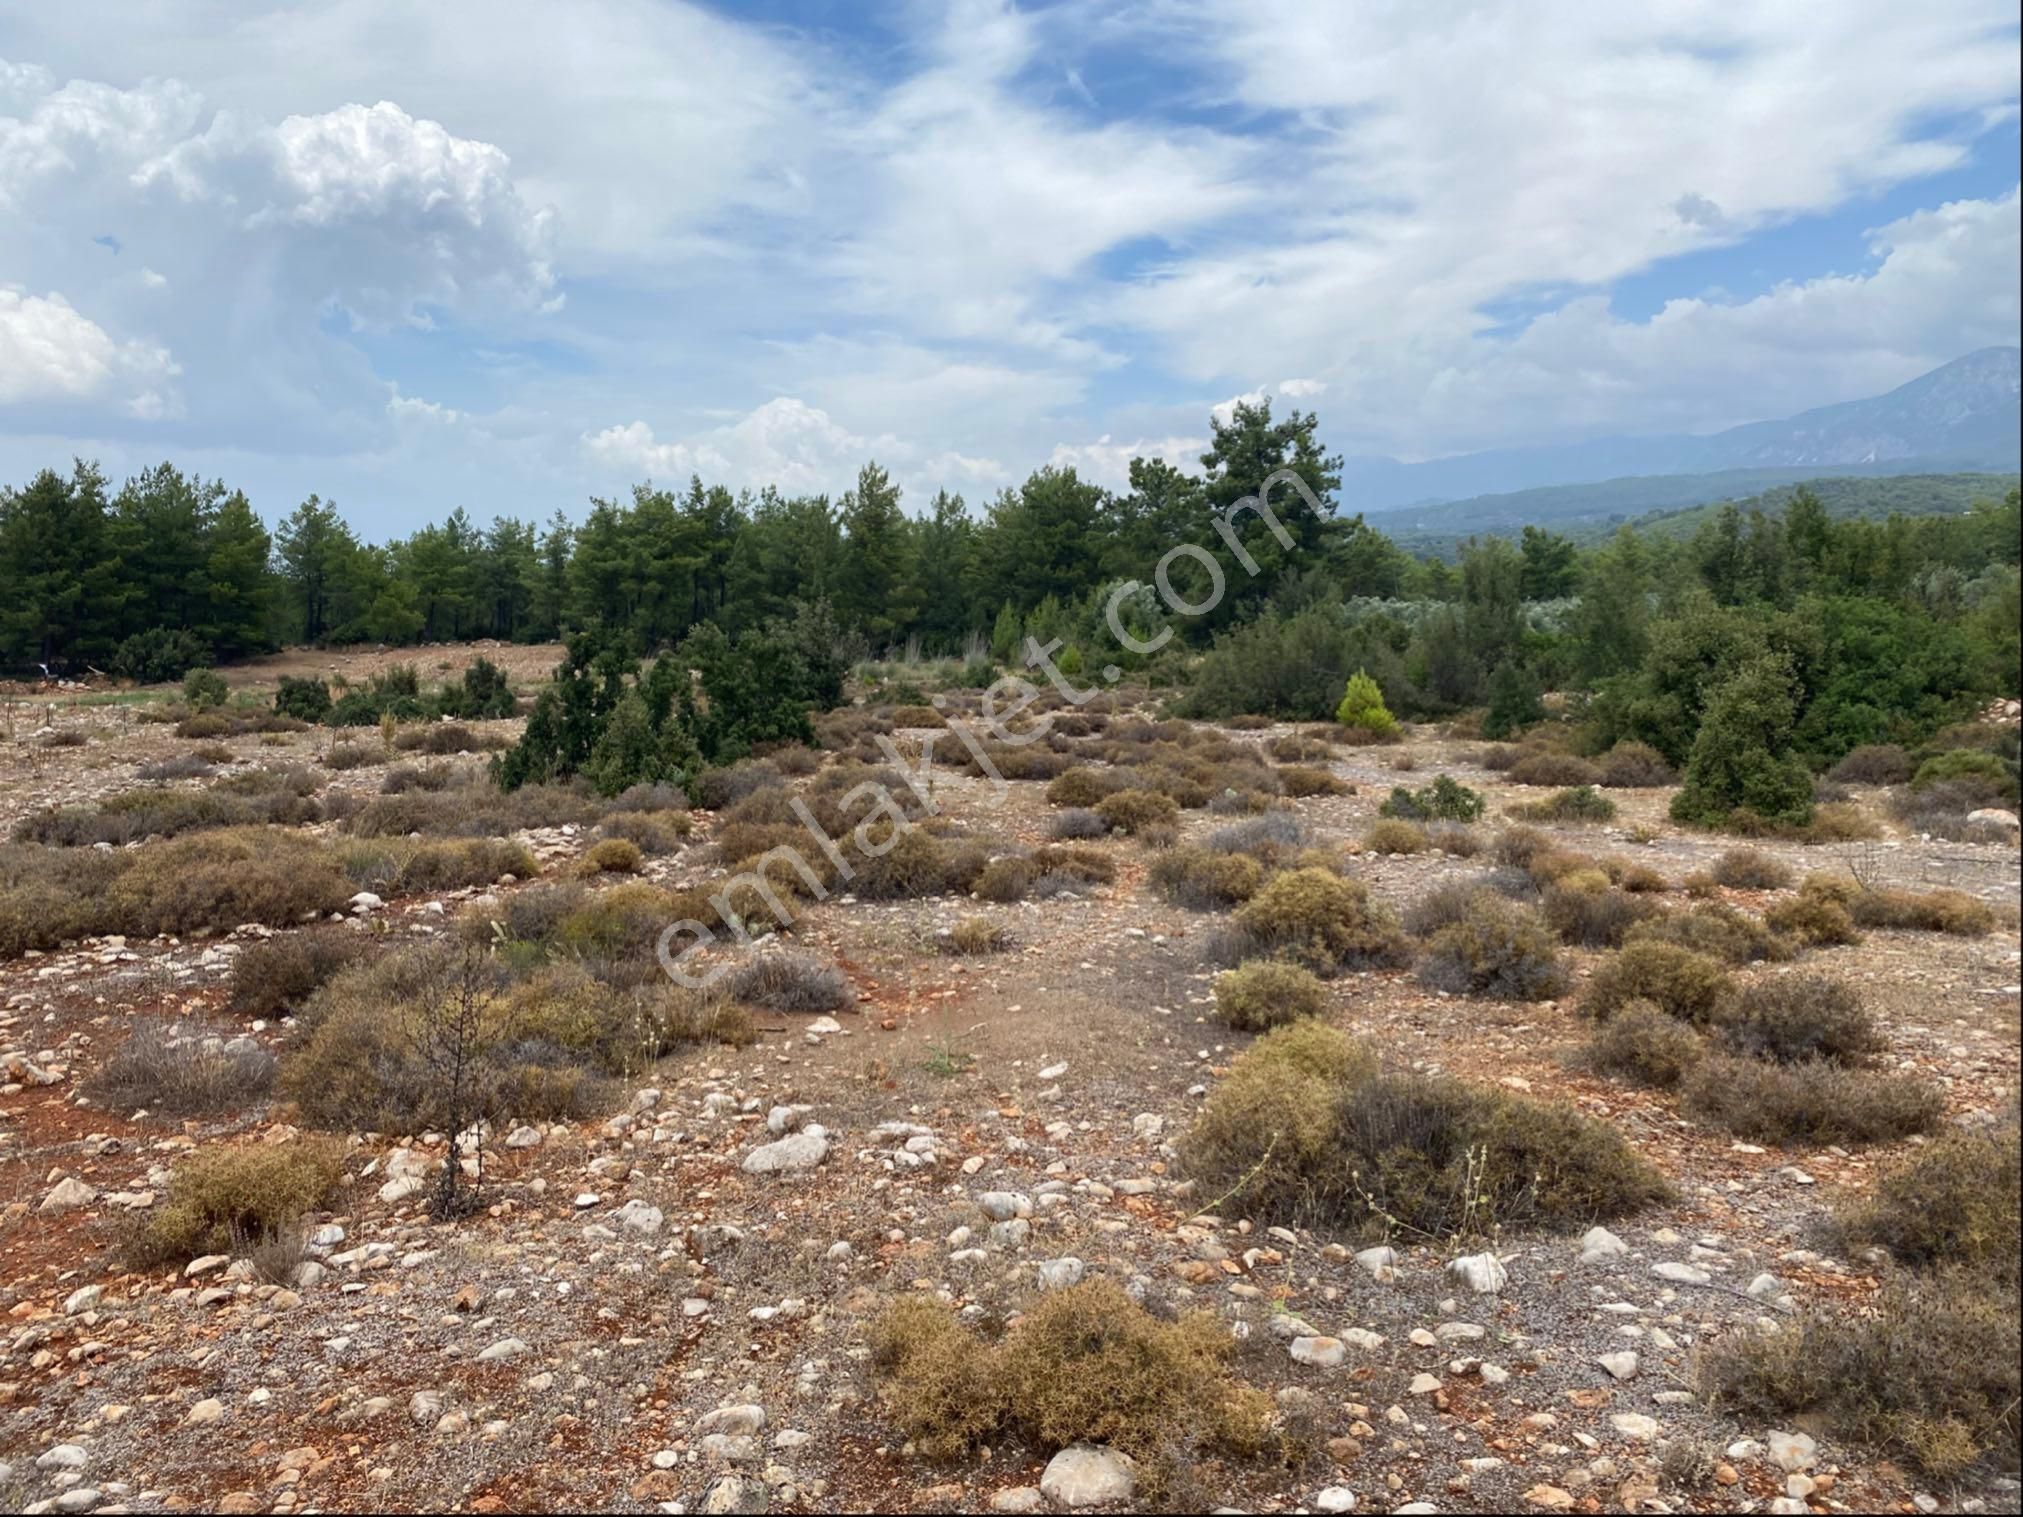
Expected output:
{"points": [[1107, 460], [51, 353]]}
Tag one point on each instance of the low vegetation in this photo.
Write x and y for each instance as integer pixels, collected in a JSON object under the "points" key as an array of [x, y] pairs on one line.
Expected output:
{"points": [[223, 1200], [1260, 996]]}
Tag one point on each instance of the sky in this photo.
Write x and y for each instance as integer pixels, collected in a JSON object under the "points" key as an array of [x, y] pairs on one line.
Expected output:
{"points": [[513, 256]]}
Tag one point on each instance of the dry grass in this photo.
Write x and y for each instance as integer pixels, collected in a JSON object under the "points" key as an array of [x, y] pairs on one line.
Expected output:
{"points": [[181, 1072], [221, 1199], [785, 981]]}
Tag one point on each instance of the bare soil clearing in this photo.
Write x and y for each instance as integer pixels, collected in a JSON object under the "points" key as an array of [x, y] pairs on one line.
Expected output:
{"points": [[556, 1352]]}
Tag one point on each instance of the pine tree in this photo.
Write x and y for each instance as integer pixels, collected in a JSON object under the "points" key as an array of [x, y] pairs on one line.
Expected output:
{"points": [[1363, 707], [1513, 701], [1742, 758]]}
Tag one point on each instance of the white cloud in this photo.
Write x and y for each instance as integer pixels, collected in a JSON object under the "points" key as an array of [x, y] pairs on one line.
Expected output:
{"points": [[52, 353], [1302, 389], [1108, 462]]}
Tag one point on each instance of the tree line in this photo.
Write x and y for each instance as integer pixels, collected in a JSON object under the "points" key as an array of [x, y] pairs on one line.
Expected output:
{"points": [[1904, 622]]}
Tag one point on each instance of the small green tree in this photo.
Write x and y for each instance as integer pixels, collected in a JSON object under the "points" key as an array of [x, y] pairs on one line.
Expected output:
{"points": [[1742, 756], [204, 688], [1513, 701], [1004, 634], [1363, 706]]}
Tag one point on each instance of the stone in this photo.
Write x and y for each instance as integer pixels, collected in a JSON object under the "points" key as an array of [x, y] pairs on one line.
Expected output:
{"points": [[64, 1456], [1083, 1475], [83, 1300], [1019, 1498], [400, 1188], [1598, 1243], [1549, 1497], [1059, 1274], [1482, 1273], [793, 1154], [640, 1217], [1004, 1205], [1622, 1365], [1335, 1498], [505, 1348], [1791, 1452], [1423, 1385], [207, 1411], [67, 1194], [1681, 1274], [1320, 1352], [745, 1420], [1379, 1263], [1635, 1426]]}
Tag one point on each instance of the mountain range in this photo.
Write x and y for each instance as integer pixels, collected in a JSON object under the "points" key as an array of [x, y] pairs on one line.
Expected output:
{"points": [[1962, 416]]}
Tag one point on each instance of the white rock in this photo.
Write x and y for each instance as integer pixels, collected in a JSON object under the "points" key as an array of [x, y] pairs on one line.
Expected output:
{"points": [[1483, 1273], [794, 1154], [1083, 1475], [505, 1348], [1059, 1274], [1792, 1452], [1621, 1365], [1335, 1498], [1635, 1426], [68, 1194], [1598, 1243], [1681, 1274], [83, 1300], [64, 1456], [1380, 1263], [1321, 1352]]}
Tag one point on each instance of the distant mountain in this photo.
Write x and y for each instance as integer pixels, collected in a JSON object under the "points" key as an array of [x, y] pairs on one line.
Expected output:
{"points": [[1961, 416], [1675, 505]]}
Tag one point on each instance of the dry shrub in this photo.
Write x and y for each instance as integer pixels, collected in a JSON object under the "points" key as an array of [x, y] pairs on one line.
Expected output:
{"points": [[1952, 1202], [1544, 769], [474, 811], [1751, 869], [1304, 1129], [1077, 824], [794, 759], [1498, 949], [354, 756], [1271, 839], [915, 716], [975, 935], [182, 1072], [714, 789], [1204, 880], [1679, 982], [651, 832], [1259, 996], [1297, 748], [1796, 1018], [256, 797], [1582, 803], [280, 973], [1301, 780], [1499, 758], [1327, 923], [1586, 913], [207, 724], [1948, 911], [1043, 872], [1717, 930], [1245, 721], [1634, 766], [1389, 836], [1084, 1365], [784, 981], [1456, 839], [220, 1199], [1813, 920], [1443, 906], [1644, 1045], [1520, 847], [184, 766], [1874, 764], [1814, 1102], [1926, 1373], [1132, 811], [612, 856], [1086, 786], [224, 878], [396, 866], [917, 864], [443, 738]]}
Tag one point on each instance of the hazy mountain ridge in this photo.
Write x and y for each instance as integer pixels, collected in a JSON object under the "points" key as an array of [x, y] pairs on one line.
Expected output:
{"points": [[1962, 416]]}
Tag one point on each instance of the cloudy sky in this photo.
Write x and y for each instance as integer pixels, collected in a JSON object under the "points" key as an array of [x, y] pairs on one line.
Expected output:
{"points": [[505, 255]]}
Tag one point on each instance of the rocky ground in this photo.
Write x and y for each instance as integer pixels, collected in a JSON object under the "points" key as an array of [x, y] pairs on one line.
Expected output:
{"points": [[667, 1309]]}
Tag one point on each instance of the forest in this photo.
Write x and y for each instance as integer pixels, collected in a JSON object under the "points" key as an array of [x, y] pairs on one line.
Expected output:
{"points": [[1877, 630]]}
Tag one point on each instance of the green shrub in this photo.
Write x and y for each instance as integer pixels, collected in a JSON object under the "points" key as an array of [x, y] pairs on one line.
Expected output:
{"points": [[1968, 764], [1678, 982], [222, 878], [1814, 1102], [1813, 920], [396, 866], [1259, 996], [1498, 949], [307, 700], [1644, 1045], [1362, 707], [1133, 811], [158, 655], [1743, 756], [611, 856], [221, 1199], [1086, 786], [1318, 919], [1444, 800], [1795, 1018], [205, 688]]}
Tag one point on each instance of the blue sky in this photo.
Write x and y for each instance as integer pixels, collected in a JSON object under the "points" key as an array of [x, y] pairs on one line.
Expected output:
{"points": [[468, 254]]}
